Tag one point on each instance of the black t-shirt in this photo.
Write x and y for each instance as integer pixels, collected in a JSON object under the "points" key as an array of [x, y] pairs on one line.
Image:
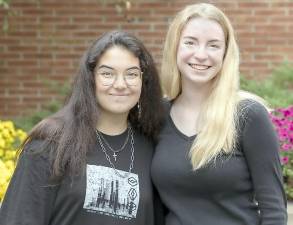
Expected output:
{"points": [[243, 188], [97, 196]]}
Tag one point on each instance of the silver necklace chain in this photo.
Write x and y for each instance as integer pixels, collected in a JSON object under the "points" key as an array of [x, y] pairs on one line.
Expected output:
{"points": [[110, 147], [108, 157]]}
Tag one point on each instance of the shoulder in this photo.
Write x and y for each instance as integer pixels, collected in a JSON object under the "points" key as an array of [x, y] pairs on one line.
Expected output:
{"points": [[250, 109], [48, 128], [32, 146], [33, 160], [35, 145], [37, 151], [253, 118]]}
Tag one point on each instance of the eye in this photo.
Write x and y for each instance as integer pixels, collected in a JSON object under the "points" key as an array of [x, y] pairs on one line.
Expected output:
{"points": [[132, 74], [214, 46], [188, 43], [107, 74]]}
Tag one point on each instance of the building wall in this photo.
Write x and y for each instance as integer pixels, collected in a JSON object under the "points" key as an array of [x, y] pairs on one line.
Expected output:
{"points": [[46, 39]]}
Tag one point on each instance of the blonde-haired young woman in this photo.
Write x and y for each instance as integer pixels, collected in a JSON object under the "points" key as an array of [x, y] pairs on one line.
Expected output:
{"points": [[217, 158]]}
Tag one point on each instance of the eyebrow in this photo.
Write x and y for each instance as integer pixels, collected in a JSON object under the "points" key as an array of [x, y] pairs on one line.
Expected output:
{"points": [[109, 67], [193, 38]]}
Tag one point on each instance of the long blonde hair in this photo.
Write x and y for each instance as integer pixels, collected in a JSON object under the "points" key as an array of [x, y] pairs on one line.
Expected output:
{"points": [[217, 132]]}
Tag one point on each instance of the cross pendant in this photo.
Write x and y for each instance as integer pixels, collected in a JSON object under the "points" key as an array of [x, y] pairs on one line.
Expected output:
{"points": [[114, 155]]}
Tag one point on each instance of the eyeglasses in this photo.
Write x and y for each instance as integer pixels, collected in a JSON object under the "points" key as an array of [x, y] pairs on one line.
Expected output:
{"points": [[108, 76]]}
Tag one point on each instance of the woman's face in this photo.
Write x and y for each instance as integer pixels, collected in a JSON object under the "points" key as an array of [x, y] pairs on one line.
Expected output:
{"points": [[118, 81], [201, 50]]}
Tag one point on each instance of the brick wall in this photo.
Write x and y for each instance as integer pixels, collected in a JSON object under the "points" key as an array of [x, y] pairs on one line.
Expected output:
{"points": [[46, 39]]}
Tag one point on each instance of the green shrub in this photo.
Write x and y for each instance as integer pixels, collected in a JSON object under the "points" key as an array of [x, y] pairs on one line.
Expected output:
{"points": [[276, 89]]}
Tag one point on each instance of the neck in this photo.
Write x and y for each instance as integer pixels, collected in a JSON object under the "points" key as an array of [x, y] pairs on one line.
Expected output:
{"points": [[112, 124], [193, 95], [187, 106]]}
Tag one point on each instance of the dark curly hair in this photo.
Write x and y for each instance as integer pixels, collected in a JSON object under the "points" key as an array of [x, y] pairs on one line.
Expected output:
{"points": [[71, 131]]}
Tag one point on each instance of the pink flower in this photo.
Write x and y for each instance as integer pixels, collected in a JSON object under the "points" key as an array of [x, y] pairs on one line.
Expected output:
{"points": [[291, 126], [284, 160], [286, 147], [282, 119]]}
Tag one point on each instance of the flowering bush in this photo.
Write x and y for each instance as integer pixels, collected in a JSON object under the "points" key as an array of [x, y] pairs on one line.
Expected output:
{"points": [[283, 120], [10, 139]]}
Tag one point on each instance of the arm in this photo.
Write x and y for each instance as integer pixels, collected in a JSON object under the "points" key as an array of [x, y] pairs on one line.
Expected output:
{"points": [[29, 199], [260, 146]]}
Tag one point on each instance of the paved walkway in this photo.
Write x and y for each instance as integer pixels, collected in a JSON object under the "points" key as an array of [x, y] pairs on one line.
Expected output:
{"points": [[290, 213]]}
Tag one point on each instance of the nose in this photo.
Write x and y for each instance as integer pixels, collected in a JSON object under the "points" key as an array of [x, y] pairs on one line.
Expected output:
{"points": [[119, 82], [200, 53]]}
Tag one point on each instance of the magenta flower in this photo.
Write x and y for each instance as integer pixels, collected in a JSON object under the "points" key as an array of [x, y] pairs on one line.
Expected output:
{"points": [[285, 160], [286, 147], [282, 119]]}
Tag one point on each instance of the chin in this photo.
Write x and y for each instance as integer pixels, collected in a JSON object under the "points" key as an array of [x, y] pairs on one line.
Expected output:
{"points": [[120, 110], [199, 80]]}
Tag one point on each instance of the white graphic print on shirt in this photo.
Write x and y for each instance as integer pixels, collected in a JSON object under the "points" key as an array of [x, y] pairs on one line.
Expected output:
{"points": [[109, 194]]}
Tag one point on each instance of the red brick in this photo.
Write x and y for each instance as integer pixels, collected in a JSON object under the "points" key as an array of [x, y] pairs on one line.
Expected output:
{"points": [[252, 4], [282, 4], [51, 19], [254, 64], [22, 63], [37, 12], [270, 28], [8, 99], [28, 91], [276, 41], [9, 55], [24, 20], [10, 41], [269, 12], [19, 48], [37, 56], [269, 57], [47, 39], [23, 34]]}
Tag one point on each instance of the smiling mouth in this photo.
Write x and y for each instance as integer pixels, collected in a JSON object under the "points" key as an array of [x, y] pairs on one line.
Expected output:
{"points": [[119, 95], [198, 66]]}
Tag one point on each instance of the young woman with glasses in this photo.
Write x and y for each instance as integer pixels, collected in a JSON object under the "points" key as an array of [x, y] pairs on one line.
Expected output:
{"points": [[90, 162]]}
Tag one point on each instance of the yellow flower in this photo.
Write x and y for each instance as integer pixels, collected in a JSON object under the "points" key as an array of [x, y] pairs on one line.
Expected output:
{"points": [[10, 165], [2, 143], [10, 154], [9, 139], [4, 172], [5, 133], [12, 133], [1, 126], [21, 134], [8, 124], [3, 189]]}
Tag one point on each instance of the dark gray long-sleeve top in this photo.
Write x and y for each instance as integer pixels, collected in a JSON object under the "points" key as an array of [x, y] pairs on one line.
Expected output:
{"points": [[244, 188], [97, 196]]}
